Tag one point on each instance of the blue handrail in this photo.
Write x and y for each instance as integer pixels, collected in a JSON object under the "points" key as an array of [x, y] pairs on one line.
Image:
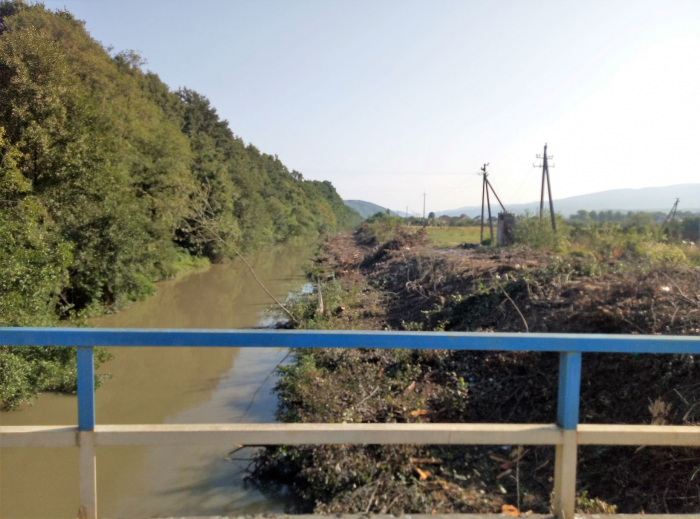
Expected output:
{"points": [[570, 346], [582, 343]]}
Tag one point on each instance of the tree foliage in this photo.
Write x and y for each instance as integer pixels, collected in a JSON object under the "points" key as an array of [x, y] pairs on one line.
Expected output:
{"points": [[102, 168]]}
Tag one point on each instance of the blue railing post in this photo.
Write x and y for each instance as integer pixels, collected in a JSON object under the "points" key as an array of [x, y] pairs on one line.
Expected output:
{"points": [[86, 389], [86, 433], [567, 419], [569, 389]]}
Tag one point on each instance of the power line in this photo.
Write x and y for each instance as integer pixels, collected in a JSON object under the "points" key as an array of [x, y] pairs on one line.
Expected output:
{"points": [[460, 184], [517, 194], [366, 172], [440, 191]]}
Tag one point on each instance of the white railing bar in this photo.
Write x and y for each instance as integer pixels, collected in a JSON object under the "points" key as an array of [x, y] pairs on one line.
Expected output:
{"points": [[378, 434], [657, 435]]}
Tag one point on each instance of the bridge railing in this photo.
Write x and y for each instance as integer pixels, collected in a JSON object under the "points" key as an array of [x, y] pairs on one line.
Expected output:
{"points": [[566, 434]]}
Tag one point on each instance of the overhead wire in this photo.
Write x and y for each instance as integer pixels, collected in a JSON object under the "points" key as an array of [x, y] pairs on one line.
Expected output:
{"points": [[515, 194], [452, 188], [439, 191], [527, 180]]}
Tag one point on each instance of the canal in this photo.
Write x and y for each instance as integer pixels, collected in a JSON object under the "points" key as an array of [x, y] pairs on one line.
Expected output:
{"points": [[173, 385]]}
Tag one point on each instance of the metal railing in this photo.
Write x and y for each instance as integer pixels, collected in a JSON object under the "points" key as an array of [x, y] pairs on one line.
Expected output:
{"points": [[565, 435]]}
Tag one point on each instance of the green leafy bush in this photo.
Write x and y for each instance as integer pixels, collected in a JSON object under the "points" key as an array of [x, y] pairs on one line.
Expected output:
{"points": [[24, 371], [536, 232]]}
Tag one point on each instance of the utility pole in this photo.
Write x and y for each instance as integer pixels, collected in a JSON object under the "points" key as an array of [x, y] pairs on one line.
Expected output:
{"points": [[545, 178], [483, 194], [423, 207], [488, 202], [672, 214], [485, 187]]}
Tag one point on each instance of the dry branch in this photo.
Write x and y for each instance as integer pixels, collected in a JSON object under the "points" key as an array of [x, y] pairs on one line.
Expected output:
{"points": [[205, 218]]}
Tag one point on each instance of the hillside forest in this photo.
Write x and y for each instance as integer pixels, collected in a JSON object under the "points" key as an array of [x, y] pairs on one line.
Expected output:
{"points": [[110, 181]]}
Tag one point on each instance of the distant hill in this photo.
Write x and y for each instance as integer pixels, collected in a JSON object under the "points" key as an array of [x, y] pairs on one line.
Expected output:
{"points": [[367, 209], [644, 199]]}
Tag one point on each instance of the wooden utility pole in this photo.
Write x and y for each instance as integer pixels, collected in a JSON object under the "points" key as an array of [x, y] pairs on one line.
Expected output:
{"points": [[488, 202], [545, 178], [483, 194], [672, 214], [485, 187], [423, 207]]}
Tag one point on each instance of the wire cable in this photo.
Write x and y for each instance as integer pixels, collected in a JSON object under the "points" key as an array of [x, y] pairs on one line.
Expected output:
{"points": [[527, 180]]}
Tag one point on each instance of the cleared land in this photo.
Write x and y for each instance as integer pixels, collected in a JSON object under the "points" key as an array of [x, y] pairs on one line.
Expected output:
{"points": [[407, 283]]}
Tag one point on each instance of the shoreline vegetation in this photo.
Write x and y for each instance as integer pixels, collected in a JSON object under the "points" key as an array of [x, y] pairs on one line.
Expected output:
{"points": [[600, 278], [110, 181]]}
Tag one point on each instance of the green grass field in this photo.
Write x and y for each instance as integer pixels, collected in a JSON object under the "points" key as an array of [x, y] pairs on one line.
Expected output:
{"points": [[454, 236]]}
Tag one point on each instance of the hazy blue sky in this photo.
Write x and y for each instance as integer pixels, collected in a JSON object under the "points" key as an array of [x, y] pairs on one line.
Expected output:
{"points": [[388, 98]]}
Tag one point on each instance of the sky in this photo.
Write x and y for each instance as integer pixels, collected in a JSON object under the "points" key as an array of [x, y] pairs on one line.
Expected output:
{"points": [[390, 99]]}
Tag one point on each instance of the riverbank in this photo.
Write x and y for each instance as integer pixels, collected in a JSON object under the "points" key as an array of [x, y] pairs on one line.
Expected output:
{"points": [[409, 284]]}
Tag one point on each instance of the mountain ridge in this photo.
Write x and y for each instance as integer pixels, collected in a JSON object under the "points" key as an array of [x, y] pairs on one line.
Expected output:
{"points": [[367, 209], [625, 199]]}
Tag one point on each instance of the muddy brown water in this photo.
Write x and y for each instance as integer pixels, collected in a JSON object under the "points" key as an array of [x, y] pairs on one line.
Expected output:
{"points": [[166, 385]]}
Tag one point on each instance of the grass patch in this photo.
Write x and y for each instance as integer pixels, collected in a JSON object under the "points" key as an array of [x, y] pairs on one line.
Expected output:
{"points": [[454, 236]]}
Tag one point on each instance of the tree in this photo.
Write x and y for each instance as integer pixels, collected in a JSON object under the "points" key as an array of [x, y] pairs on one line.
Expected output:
{"points": [[104, 177]]}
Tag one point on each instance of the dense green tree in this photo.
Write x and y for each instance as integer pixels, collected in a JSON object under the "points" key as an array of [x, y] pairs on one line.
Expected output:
{"points": [[107, 177]]}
